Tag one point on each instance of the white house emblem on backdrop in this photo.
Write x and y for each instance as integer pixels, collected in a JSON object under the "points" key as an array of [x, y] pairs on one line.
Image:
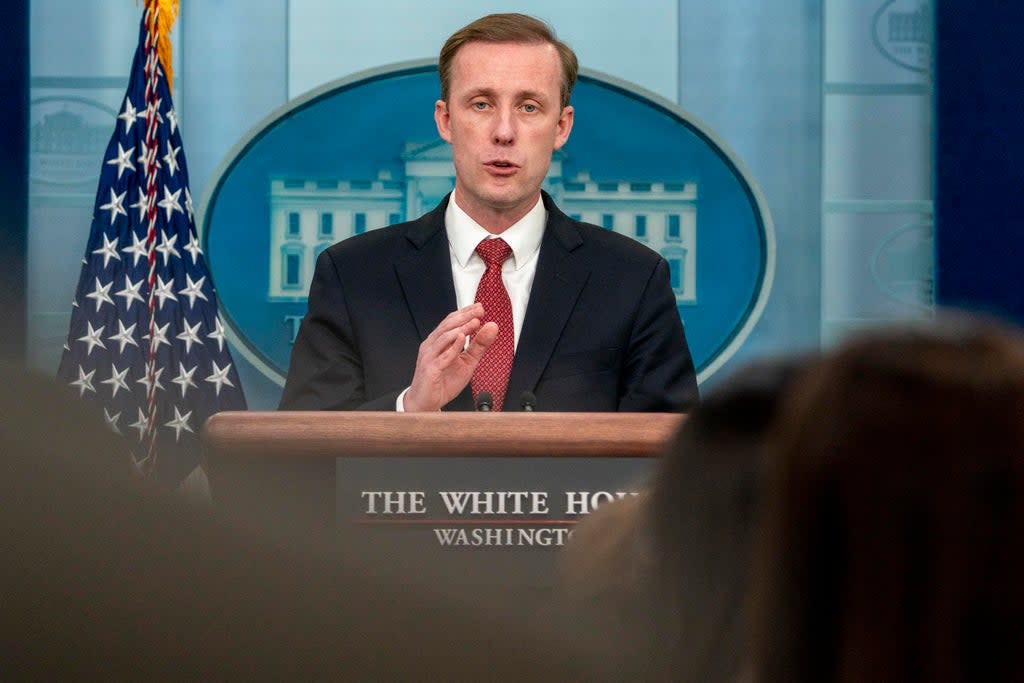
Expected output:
{"points": [[902, 32], [307, 215]]}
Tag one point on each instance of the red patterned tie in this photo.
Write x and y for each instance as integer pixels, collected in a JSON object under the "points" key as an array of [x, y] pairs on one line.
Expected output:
{"points": [[496, 365]]}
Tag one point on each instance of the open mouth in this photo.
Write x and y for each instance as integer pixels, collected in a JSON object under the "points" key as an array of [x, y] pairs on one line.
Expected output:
{"points": [[501, 169]]}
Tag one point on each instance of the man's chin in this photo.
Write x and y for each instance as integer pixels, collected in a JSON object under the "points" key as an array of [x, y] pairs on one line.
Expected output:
{"points": [[498, 200], [509, 200]]}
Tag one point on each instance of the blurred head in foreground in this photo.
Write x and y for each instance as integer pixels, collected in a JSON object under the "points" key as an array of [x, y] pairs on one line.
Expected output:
{"points": [[702, 508], [890, 541], [663, 574]]}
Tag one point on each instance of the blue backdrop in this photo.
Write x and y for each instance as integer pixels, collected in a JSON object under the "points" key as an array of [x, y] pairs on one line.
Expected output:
{"points": [[807, 93]]}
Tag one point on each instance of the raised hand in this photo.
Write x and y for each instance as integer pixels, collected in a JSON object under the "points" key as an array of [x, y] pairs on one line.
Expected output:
{"points": [[445, 363]]}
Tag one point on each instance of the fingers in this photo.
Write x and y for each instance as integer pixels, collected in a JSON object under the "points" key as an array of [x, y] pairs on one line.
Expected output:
{"points": [[439, 376], [450, 333], [482, 340], [455, 320], [448, 357], [458, 343], [447, 346]]}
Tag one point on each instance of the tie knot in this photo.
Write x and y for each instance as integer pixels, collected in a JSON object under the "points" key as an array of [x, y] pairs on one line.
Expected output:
{"points": [[493, 252]]}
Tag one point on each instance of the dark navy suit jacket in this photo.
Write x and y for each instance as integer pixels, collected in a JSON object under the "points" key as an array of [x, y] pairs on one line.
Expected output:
{"points": [[601, 332]]}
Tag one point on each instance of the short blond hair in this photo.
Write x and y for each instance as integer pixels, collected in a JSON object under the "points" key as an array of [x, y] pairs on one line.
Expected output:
{"points": [[508, 28]]}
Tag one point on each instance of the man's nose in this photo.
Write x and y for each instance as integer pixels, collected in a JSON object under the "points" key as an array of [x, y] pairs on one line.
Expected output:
{"points": [[504, 127]]}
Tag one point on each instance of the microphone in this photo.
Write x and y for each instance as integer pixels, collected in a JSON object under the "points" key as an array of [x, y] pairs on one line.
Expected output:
{"points": [[528, 402], [484, 402]]}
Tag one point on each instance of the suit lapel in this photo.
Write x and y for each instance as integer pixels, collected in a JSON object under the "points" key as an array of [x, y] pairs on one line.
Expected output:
{"points": [[556, 286], [425, 273]]}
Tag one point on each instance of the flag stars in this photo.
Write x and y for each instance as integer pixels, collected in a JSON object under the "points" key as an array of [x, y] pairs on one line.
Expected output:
{"points": [[163, 291], [193, 290], [124, 336], [179, 423], [147, 157], [184, 378], [189, 336], [171, 158], [172, 119], [101, 294], [217, 334], [108, 250], [142, 204], [220, 377], [84, 381], [150, 382], [141, 424], [92, 338], [189, 206], [167, 248], [193, 247], [159, 337], [170, 202], [117, 380], [115, 206], [111, 421], [122, 160], [128, 115], [131, 292], [138, 249]]}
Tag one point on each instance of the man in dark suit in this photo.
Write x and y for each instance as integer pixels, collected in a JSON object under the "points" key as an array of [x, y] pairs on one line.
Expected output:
{"points": [[495, 292]]}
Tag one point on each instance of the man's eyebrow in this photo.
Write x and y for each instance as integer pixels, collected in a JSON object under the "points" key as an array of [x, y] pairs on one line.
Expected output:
{"points": [[521, 95], [485, 92], [531, 95]]}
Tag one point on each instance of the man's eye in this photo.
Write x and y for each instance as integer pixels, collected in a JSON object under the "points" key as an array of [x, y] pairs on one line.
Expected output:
{"points": [[529, 108], [479, 105]]}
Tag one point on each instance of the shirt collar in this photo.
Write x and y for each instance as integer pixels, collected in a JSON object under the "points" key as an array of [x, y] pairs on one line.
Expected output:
{"points": [[524, 236]]}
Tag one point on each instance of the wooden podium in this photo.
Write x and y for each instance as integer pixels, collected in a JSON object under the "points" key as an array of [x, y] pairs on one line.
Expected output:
{"points": [[284, 436], [288, 466]]}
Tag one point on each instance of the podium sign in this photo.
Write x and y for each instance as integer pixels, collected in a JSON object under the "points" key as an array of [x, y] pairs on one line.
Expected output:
{"points": [[508, 515], [502, 489]]}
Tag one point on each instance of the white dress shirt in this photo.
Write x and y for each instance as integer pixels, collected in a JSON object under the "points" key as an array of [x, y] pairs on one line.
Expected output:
{"points": [[517, 272]]}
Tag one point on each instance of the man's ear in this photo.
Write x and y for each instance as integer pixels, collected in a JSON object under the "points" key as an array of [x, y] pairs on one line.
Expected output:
{"points": [[443, 120], [563, 127]]}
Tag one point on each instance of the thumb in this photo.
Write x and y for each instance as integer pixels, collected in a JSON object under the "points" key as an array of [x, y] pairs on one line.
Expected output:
{"points": [[482, 340]]}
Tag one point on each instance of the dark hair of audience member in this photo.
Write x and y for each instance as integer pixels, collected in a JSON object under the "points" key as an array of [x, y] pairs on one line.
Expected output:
{"points": [[104, 579], [701, 511], [890, 546]]}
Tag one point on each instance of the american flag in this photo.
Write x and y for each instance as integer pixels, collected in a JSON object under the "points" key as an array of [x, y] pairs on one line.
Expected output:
{"points": [[145, 341]]}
